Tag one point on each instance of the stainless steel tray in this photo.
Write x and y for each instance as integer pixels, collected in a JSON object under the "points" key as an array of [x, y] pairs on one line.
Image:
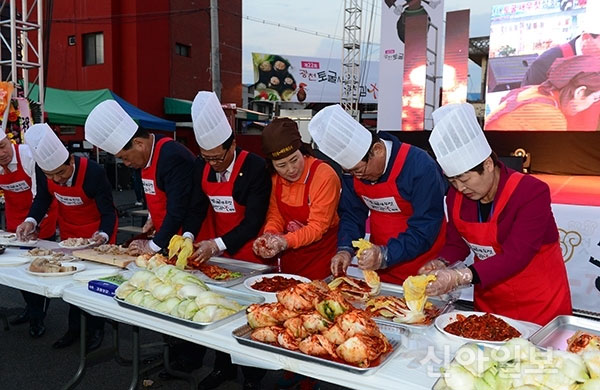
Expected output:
{"points": [[242, 335], [556, 332], [246, 268], [240, 297]]}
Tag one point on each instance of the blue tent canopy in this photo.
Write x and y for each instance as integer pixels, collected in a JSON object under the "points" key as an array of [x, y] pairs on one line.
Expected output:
{"points": [[73, 107]]}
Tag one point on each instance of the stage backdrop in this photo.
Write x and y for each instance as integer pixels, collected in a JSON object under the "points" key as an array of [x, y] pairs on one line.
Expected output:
{"points": [[280, 77], [456, 57], [394, 16], [579, 228], [528, 40]]}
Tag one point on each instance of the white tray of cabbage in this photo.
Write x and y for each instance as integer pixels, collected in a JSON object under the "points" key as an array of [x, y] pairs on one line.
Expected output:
{"points": [[519, 365], [177, 295]]}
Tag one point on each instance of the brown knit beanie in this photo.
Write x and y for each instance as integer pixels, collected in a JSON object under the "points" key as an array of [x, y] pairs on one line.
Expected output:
{"points": [[280, 138]]}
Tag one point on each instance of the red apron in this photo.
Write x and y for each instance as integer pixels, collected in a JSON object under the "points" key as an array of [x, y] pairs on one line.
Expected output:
{"points": [[155, 198], [389, 218], [534, 294], [311, 261], [17, 193], [225, 213], [78, 215]]}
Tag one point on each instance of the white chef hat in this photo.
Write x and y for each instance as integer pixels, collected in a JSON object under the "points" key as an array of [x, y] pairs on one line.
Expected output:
{"points": [[340, 136], [48, 151], [590, 23], [109, 127], [2, 135], [211, 127], [457, 139]]}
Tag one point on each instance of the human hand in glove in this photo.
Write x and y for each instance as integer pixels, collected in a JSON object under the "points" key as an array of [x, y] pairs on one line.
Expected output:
{"points": [[204, 250], [99, 238], [340, 262], [268, 245], [432, 265], [372, 258], [148, 226], [141, 246], [447, 279], [25, 231]]}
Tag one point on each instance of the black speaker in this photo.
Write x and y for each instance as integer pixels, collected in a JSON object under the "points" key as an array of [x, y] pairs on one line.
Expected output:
{"points": [[512, 162], [506, 73]]}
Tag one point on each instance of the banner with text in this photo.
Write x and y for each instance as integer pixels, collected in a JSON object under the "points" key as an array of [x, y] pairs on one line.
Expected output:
{"points": [[307, 79]]}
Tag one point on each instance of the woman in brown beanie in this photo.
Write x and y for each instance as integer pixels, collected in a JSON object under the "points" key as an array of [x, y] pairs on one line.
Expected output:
{"points": [[302, 220]]}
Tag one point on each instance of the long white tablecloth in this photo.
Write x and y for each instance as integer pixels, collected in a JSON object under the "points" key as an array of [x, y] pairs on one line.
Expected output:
{"points": [[414, 365], [49, 286]]}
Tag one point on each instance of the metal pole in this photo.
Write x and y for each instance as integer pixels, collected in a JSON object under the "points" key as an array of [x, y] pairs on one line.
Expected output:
{"points": [[13, 41], [40, 42], [24, 46], [215, 64]]}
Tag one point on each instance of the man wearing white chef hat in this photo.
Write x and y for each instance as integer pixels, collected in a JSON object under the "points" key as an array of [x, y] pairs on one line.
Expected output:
{"points": [[227, 209], [17, 181], [231, 187], [399, 185], [166, 169], [504, 218], [85, 206]]}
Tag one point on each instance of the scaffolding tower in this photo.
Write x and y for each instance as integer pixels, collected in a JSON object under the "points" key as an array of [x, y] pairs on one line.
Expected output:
{"points": [[351, 39], [20, 54]]}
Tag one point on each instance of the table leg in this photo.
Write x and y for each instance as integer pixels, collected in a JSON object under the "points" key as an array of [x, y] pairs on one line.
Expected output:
{"points": [[178, 374], [82, 355], [4, 321], [136, 357]]}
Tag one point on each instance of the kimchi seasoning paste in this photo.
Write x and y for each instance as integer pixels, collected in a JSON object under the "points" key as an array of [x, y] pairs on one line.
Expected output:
{"points": [[485, 327]]}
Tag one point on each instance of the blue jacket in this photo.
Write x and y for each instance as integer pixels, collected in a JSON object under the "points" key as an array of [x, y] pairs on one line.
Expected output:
{"points": [[421, 183]]}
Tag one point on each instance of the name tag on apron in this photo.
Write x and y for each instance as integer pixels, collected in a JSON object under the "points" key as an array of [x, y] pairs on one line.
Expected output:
{"points": [[18, 186], [69, 200], [222, 204], [481, 251], [149, 186], [383, 205]]}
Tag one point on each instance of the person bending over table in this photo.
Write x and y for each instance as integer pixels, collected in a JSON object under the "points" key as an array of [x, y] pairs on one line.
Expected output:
{"points": [[302, 221], [504, 218], [398, 185], [229, 201], [166, 166], [85, 209], [17, 181]]}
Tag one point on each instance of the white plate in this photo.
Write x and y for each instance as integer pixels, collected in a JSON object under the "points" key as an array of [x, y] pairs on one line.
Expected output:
{"points": [[79, 267], [269, 296], [12, 261], [97, 273], [442, 321], [60, 244]]}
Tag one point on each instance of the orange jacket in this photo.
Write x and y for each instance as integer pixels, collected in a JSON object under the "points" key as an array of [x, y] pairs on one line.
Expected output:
{"points": [[324, 194], [527, 109]]}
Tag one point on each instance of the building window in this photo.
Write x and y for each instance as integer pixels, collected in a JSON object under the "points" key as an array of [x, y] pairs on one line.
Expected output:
{"points": [[67, 130], [93, 49], [183, 50]]}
